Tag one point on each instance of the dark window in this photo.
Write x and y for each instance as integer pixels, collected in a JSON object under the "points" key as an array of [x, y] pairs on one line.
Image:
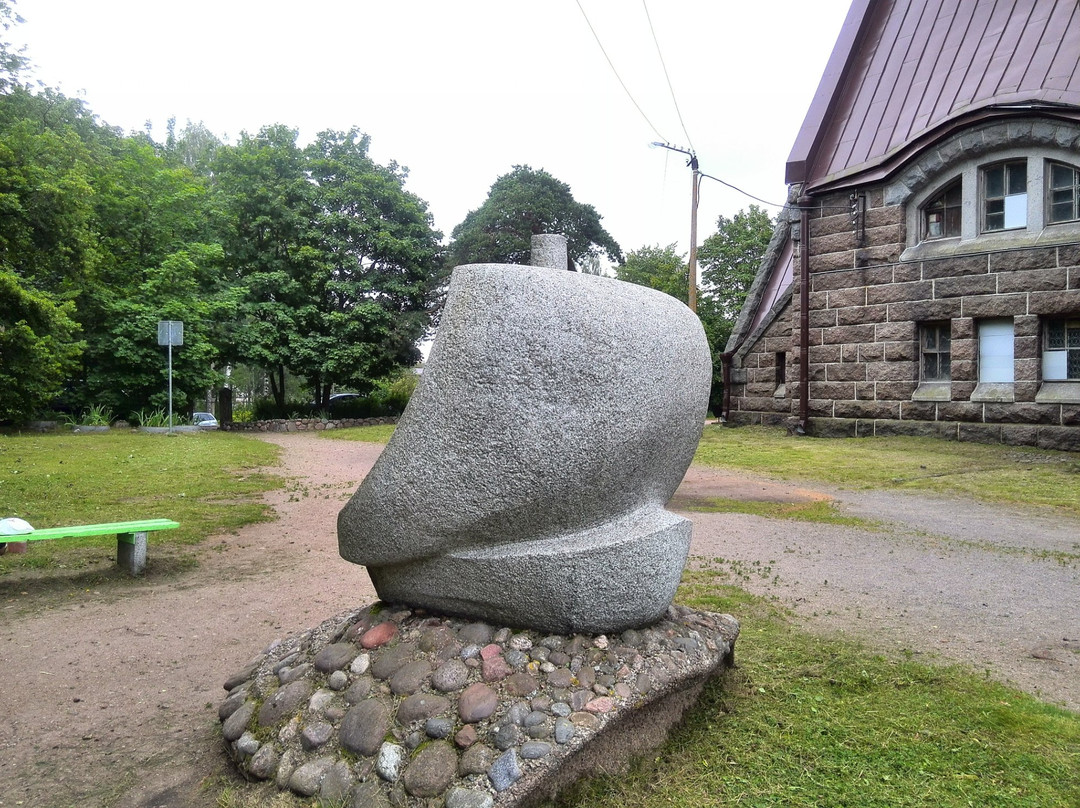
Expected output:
{"points": [[936, 344], [1061, 350], [1005, 196], [1063, 193], [941, 215], [781, 368]]}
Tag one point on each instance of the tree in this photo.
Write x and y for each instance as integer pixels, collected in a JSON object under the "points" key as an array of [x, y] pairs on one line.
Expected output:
{"points": [[268, 208], [522, 204], [382, 262], [338, 262], [129, 371], [12, 63], [729, 262], [729, 259], [38, 351], [658, 268]]}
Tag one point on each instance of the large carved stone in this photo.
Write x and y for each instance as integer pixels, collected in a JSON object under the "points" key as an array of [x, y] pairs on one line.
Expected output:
{"points": [[526, 481]]}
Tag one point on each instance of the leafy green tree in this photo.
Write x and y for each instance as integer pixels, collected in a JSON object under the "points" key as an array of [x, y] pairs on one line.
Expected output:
{"points": [[130, 371], [12, 62], [658, 268], [522, 204], [729, 259], [381, 268], [268, 208], [45, 206], [38, 349], [339, 264], [194, 147]]}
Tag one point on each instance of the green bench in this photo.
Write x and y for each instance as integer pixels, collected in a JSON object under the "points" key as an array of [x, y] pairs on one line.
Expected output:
{"points": [[130, 538]]}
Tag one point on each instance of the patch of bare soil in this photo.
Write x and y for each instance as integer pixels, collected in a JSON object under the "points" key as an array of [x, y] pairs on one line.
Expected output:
{"points": [[109, 687]]}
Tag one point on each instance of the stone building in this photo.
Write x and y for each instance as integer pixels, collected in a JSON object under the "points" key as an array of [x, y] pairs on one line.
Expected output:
{"points": [[924, 278]]}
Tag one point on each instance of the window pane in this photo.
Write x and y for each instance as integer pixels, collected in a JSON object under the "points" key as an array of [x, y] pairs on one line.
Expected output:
{"points": [[995, 181], [945, 369], [1066, 195], [1055, 334], [1017, 178], [1073, 338], [942, 213], [1074, 365], [1061, 211], [996, 351], [1016, 210], [930, 337], [952, 222], [1061, 176], [995, 221], [930, 367]]}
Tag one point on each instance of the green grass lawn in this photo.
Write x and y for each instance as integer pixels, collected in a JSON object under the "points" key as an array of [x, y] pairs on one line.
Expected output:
{"points": [[804, 720], [993, 473], [206, 481], [811, 721]]}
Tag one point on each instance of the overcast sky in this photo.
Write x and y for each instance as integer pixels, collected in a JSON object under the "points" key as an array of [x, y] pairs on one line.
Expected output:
{"points": [[461, 91]]}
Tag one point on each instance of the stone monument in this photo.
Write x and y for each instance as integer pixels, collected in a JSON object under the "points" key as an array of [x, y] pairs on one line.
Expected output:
{"points": [[526, 481], [515, 530]]}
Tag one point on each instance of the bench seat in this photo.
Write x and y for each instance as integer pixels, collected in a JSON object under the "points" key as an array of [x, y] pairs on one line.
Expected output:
{"points": [[130, 538]]}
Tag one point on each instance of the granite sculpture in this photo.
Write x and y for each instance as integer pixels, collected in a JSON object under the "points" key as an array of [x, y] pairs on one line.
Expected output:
{"points": [[526, 481]]}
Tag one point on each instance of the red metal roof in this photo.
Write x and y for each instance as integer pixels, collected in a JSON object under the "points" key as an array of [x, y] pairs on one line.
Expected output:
{"points": [[902, 69]]}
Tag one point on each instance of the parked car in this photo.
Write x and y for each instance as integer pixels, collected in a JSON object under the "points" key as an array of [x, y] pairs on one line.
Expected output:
{"points": [[204, 420]]}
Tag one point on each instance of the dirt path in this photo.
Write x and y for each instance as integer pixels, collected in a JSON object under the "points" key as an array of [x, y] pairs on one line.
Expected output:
{"points": [[109, 695]]}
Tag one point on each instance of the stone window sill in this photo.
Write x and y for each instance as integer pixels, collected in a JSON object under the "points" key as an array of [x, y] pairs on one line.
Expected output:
{"points": [[994, 393], [933, 391], [780, 391], [1051, 235], [1058, 393]]}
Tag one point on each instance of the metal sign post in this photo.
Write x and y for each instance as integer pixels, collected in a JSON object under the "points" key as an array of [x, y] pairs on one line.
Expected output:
{"points": [[170, 332]]}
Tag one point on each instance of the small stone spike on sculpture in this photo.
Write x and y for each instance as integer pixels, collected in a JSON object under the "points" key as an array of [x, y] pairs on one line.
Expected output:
{"points": [[525, 484]]}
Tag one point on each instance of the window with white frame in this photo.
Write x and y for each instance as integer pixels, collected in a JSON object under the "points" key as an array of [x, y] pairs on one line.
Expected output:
{"points": [[1004, 196], [1061, 350]]}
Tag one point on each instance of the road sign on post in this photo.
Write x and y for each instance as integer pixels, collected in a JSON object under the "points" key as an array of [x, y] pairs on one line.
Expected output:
{"points": [[170, 332]]}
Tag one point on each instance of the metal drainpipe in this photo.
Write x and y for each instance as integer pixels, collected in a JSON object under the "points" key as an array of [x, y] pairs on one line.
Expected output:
{"points": [[725, 363], [804, 315]]}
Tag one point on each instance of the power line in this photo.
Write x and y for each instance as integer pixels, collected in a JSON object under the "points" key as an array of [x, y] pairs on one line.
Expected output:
{"points": [[663, 64], [741, 191], [616, 72]]}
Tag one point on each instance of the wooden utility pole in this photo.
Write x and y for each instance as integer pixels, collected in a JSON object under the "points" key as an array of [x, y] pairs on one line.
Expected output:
{"points": [[695, 195]]}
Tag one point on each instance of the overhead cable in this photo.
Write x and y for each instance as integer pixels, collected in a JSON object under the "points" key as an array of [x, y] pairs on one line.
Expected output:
{"points": [[741, 191], [663, 64], [616, 72]]}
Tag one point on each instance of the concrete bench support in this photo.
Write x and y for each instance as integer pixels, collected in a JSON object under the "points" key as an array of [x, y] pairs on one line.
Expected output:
{"points": [[131, 551]]}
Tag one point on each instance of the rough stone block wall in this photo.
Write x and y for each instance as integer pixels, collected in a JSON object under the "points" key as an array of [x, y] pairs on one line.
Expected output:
{"points": [[865, 311]]}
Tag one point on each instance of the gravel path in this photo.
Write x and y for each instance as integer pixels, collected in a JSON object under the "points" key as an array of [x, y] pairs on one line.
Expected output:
{"points": [[110, 693]]}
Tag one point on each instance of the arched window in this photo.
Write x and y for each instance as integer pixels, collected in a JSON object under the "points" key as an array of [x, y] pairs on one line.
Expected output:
{"points": [[1063, 193], [942, 214]]}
